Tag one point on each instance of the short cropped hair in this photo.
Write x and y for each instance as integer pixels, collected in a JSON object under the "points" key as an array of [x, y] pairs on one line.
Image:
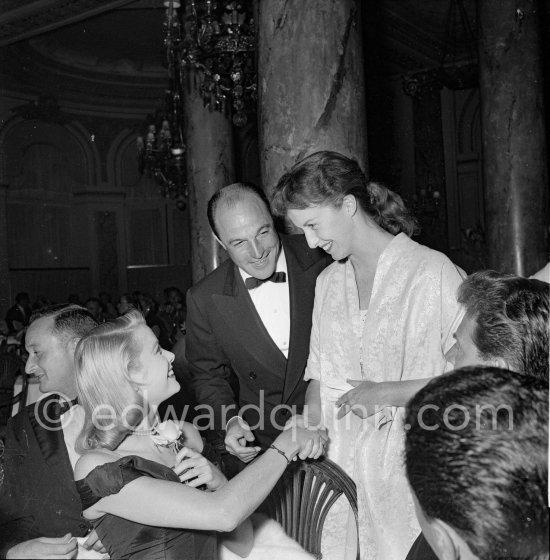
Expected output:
{"points": [[70, 321], [476, 459], [232, 194], [103, 362], [511, 316]]}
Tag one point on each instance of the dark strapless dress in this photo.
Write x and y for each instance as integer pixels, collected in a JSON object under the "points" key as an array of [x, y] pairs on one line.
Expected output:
{"points": [[125, 539]]}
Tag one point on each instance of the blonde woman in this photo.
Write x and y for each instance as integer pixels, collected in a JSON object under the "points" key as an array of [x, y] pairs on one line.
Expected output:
{"points": [[130, 486]]}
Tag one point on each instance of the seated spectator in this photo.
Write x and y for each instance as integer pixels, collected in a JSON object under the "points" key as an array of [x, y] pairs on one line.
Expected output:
{"points": [[93, 305], [505, 325], [109, 310], [127, 302], [476, 460], [175, 310], [149, 308], [41, 302], [17, 317], [39, 505]]}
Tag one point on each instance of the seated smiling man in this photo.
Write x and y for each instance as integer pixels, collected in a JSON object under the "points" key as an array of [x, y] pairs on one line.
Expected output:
{"points": [[505, 325], [476, 460]]}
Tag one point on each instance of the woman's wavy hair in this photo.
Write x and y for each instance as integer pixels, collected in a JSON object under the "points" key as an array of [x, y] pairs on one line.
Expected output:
{"points": [[104, 359], [327, 177]]}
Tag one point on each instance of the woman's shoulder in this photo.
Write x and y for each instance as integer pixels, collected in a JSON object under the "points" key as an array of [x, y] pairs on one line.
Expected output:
{"points": [[92, 459], [415, 251], [330, 272]]}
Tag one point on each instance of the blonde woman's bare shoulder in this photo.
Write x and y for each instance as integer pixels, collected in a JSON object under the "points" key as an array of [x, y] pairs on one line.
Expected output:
{"points": [[92, 459]]}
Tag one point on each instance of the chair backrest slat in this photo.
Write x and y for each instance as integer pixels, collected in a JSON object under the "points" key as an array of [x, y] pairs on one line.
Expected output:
{"points": [[302, 498]]}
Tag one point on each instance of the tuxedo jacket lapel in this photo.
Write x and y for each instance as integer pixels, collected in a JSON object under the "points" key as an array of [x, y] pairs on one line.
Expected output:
{"points": [[236, 306], [302, 292]]}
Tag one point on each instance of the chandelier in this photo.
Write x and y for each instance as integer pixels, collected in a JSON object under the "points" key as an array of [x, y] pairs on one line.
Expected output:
{"points": [[215, 39], [218, 41], [161, 152]]}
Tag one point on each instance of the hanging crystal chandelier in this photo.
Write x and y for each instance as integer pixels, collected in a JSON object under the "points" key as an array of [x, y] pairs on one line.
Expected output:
{"points": [[214, 43], [218, 42], [161, 151]]}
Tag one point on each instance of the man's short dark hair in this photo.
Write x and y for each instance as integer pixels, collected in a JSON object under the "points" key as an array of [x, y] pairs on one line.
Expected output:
{"points": [[511, 315], [476, 459], [69, 321], [232, 194]]}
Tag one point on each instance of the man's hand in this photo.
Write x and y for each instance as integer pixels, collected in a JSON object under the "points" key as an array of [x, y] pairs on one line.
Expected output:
{"points": [[45, 547], [237, 435], [196, 470], [92, 542]]}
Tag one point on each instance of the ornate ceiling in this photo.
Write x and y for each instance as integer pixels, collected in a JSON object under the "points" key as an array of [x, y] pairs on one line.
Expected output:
{"points": [[111, 51]]}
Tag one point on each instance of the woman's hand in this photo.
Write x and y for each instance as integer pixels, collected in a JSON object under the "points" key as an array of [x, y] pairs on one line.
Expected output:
{"points": [[301, 442], [195, 470], [367, 398], [192, 437]]}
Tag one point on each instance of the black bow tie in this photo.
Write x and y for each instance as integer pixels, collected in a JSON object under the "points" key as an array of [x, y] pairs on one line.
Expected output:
{"points": [[59, 408], [276, 277]]}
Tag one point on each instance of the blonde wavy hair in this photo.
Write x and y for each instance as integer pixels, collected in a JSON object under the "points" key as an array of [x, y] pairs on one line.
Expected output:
{"points": [[104, 359]]}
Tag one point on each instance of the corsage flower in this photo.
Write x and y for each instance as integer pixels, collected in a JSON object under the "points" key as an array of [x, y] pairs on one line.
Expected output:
{"points": [[168, 434]]}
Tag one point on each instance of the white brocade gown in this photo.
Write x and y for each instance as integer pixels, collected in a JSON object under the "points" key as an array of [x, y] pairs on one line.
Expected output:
{"points": [[403, 335]]}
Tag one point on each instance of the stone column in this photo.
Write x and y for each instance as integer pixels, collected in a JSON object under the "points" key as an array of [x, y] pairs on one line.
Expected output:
{"points": [[5, 295], [311, 91], [513, 134], [210, 166]]}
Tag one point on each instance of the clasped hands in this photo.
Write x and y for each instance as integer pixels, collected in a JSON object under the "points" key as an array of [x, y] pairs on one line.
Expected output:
{"points": [[312, 441]]}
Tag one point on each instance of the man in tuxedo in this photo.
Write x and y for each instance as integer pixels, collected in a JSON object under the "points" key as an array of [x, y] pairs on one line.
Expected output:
{"points": [[40, 508], [248, 325]]}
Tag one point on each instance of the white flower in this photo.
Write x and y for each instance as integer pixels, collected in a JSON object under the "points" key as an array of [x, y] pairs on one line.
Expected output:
{"points": [[166, 433]]}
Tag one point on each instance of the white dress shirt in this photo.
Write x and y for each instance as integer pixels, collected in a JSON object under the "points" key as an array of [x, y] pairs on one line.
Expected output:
{"points": [[272, 303]]}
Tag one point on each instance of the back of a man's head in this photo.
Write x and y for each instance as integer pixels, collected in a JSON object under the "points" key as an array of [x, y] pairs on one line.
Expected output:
{"points": [[476, 459], [230, 196], [69, 321], [511, 314]]}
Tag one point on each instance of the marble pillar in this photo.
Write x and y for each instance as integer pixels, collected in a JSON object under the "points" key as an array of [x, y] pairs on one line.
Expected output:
{"points": [[311, 91], [5, 295], [210, 166], [513, 134]]}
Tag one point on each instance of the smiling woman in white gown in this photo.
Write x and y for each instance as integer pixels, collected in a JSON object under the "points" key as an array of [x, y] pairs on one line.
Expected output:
{"points": [[384, 316]]}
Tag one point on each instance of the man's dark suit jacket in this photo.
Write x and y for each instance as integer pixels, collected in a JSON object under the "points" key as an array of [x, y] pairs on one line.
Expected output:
{"points": [[227, 342], [37, 494]]}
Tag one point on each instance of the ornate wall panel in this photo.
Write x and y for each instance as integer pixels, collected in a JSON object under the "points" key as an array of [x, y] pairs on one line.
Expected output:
{"points": [[146, 240], [107, 250]]}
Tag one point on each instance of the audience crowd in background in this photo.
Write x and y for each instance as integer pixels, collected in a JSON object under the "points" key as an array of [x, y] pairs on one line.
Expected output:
{"points": [[166, 319]]}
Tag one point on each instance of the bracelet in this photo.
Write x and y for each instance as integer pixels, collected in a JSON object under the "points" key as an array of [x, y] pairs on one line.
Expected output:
{"points": [[280, 451]]}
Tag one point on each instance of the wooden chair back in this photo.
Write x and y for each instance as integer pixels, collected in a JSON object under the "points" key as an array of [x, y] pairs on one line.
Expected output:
{"points": [[303, 497]]}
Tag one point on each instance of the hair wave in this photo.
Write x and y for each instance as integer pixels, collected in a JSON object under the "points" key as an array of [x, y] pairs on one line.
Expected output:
{"points": [[112, 404]]}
